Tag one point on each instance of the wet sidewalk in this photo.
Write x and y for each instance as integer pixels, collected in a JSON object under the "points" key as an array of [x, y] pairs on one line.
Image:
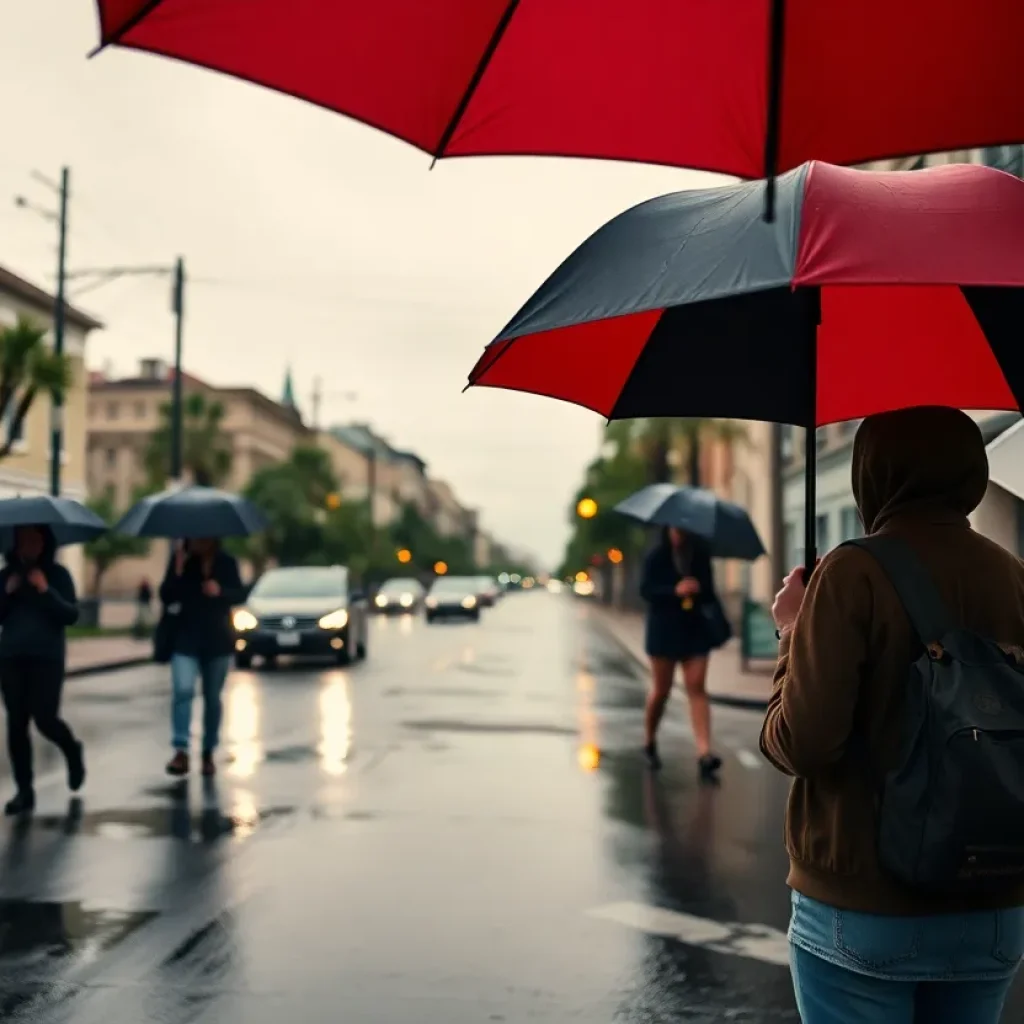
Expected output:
{"points": [[103, 653], [728, 682]]}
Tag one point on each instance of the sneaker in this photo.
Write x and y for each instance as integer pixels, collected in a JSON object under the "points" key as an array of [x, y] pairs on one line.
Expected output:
{"points": [[23, 802], [76, 768], [209, 768], [178, 765], [709, 765], [653, 760]]}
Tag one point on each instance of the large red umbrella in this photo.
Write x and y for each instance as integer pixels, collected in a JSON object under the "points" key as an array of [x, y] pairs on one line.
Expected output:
{"points": [[870, 292], [745, 87]]}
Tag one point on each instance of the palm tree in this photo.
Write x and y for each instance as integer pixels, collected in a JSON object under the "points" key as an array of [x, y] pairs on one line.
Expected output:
{"points": [[28, 367], [206, 451]]}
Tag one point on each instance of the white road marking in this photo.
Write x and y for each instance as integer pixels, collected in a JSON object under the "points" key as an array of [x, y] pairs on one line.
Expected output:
{"points": [[748, 759], [754, 941]]}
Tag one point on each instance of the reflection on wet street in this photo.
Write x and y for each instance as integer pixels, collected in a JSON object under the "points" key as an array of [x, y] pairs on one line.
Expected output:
{"points": [[458, 830]]}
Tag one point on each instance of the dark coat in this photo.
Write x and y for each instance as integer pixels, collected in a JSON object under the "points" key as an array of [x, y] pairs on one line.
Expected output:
{"points": [[671, 630], [202, 629], [33, 624]]}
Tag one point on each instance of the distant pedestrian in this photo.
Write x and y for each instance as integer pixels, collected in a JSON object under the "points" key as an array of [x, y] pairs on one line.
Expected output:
{"points": [[143, 607], [685, 623], [37, 604], [869, 943], [203, 581]]}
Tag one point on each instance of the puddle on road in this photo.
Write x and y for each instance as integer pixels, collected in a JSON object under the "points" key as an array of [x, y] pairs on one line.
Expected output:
{"points": [[326, 812], [292, 755], [43, 932], [177, 822], [439, 691], [492, 728]]}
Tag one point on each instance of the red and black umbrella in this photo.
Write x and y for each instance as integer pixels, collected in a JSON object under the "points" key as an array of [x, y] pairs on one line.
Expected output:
{"points": [[746, 87], [870, 292]]}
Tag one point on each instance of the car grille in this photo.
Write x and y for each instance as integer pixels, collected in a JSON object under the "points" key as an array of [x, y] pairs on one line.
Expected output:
{"points": [[295, 622]]}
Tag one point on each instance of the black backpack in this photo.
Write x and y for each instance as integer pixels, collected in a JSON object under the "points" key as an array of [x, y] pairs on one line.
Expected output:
{"points": [[951, 815]]}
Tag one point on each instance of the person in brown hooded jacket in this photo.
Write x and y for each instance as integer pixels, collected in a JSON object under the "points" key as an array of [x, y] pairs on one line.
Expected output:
{"points": [[863, 947]]}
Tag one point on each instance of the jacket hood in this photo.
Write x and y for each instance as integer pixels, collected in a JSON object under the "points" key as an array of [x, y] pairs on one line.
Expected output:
{"points": [[49, 548], [928, 462]]}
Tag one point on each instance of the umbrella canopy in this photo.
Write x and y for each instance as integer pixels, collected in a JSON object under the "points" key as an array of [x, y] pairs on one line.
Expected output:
{"points": [[70, 521], [871, 292], [725, 527], [192, 512], [747, 87]]}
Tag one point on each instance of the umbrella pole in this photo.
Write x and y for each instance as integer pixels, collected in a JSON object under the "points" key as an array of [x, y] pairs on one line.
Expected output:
{"points": [[813, 296], [776, 47]]}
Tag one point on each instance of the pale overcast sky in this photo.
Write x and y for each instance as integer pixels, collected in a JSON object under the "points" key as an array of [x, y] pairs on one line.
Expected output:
{"points": [[315, 241]]}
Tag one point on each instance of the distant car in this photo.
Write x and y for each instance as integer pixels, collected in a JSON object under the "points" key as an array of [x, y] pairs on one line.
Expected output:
{"points": [[305, 611], [453, 597], [488, 591], [399, 595]]}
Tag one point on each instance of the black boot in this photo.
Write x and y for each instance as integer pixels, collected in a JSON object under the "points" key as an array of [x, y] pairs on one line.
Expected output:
{"points": [[653, 759], [23, 802], [76, 767], [709, 765]]}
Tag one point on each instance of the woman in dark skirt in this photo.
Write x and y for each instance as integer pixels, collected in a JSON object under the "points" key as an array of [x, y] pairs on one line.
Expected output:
{"points": [[685, 623]]}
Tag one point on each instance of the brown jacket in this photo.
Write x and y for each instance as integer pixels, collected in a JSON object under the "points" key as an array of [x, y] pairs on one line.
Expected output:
{"points": [[838, 696]]}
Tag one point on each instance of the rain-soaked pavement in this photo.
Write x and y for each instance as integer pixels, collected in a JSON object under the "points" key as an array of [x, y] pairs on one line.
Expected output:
{"points": [[458, 830]]}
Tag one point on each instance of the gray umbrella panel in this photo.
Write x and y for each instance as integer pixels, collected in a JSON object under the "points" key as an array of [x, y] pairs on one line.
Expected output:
{"points": [[725, 526], [192, 512]]}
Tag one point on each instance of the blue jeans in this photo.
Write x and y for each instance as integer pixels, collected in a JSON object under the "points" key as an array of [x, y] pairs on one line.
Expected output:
{"points": [[852, 968], [185, 670]]}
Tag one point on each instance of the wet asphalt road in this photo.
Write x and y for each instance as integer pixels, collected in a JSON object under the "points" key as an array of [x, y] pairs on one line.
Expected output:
{"points": [[458, 830]]}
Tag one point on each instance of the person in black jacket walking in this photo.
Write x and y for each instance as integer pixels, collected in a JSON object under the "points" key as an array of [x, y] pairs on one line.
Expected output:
{"points": [[37, 604], [685, 623], [203, 581]]}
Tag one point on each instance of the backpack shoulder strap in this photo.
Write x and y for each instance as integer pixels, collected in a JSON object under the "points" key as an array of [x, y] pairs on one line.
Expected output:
{"points": [[913, 585]]}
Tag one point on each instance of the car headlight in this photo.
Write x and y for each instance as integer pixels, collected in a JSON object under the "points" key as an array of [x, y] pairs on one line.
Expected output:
{"points": [[469, 602], [334, 620], [431, 602], [243, 620], [405, 600], [381, 600]]}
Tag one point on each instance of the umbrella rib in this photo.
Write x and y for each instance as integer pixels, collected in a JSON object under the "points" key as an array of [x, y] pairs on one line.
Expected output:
{"points": [[474, 82], [143, 12]]}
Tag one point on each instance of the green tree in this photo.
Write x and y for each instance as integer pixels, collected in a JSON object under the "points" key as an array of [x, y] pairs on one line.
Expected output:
{"points": [[28, 368], [206, 449], [658, 438], [110, 547]]}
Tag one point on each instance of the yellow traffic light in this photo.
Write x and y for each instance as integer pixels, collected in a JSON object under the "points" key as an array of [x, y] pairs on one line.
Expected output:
{"points": [[333, 501], [404, 555], [582, 577], [586, 508], [440, 568], [614, 556]]}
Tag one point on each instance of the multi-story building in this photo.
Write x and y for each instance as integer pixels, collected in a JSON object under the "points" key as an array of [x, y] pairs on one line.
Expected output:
{"points": [[26, 470], [122, 415]]}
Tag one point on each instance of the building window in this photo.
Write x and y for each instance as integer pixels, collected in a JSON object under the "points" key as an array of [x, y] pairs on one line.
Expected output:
{"points": [[111, 458], [140, 410], [850, 523], [821, 533], [113, 410]]}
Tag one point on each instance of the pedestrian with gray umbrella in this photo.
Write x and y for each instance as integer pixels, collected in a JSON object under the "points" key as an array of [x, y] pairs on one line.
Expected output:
{"points": [[199, 589], [685, 620], [37, 604]]}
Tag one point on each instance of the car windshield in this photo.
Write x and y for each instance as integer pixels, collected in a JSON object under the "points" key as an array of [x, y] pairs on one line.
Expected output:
{"points": [[301, 583], [454, 585], [400, 586]]}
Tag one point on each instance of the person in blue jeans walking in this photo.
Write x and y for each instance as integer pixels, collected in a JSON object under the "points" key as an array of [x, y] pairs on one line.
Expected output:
{"points": [[203, 581], [865, 947]]}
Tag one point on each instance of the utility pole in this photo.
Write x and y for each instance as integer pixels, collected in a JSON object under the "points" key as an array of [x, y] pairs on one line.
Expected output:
{"points": [[57, 409], [177, 410], [60, 218]]}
